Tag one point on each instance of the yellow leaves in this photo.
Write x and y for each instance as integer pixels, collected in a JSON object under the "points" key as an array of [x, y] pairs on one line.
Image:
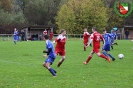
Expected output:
{"points": [[6, 5], [78, 14]]}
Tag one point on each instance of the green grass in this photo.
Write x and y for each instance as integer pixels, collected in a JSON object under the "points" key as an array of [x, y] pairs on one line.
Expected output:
{"points": [[21, 67]]}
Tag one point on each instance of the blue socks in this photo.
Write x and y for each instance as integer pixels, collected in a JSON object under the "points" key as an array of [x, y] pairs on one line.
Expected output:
{"points": [[52, 71], [105, 54], [108, 55], [111, 56]]}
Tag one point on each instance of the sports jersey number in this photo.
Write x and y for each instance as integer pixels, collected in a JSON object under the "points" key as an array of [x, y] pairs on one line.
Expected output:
{"points": [[98, 38]]}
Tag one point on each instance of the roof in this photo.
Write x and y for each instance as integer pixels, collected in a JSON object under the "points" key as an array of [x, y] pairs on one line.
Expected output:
{"points": [[38, 27], [129, 26]]}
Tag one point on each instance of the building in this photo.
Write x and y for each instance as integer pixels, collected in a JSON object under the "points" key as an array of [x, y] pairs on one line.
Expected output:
{"points": [[130, 28], [36, 32]]}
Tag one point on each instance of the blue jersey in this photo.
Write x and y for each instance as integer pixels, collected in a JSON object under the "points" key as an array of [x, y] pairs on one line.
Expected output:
{"points": [[49, 46], [114, 35], [107, 37], [15, 35]]}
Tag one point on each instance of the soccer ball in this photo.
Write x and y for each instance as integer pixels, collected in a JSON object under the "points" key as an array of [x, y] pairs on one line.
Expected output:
{"points": [[120, 56]]}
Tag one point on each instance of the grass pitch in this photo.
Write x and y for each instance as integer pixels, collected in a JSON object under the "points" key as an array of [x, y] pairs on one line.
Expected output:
{"points": [[21, 67]]}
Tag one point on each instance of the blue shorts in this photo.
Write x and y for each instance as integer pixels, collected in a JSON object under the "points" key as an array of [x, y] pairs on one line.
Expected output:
{"points": [[106, 47], [49, 60], [15, 37]]}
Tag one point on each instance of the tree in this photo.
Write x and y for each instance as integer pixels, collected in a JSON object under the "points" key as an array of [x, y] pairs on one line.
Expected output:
{"points": [[42, 11], [18, 13], [6, 5], [10, 17], [114, 20], [78, 14], [21, 3]]}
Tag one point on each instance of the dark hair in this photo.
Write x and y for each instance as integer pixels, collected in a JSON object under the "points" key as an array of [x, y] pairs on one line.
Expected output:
{"points": [[94, 28], [62, 31], [104, 30], [46, 36]]}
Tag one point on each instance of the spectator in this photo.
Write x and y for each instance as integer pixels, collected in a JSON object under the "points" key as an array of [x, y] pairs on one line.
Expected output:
{"points": [[40, 36], [127, 33], [23, 35]]}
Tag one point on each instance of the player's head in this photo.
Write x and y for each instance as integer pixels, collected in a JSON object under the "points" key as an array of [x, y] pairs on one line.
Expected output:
{"points": [[104, 31], [63, 32], [46, 37], [94, 29], [15, 29], [113, 31], [85, 29]]}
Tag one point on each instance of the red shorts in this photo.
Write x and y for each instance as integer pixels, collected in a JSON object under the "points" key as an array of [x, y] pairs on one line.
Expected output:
{"points": [[96, 49], [61, 53], [86, 42]]}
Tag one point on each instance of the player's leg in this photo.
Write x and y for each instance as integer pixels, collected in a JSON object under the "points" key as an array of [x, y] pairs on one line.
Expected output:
{"points": [[62, 54], [84, 47], [90, 44], [61, 61], [112, 46], [107, 52], [51, 70], [115, 43], [112, 43], [89, 58], [97, 51], [103, 56], [104, 50], [14, 42], [14, 39], [85, 44], [47, 64]]}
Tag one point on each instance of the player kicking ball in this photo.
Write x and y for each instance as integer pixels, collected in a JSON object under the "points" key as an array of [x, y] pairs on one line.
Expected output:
{"points": [[96, 38], [50, 55], [106, 47], [60, 46]]}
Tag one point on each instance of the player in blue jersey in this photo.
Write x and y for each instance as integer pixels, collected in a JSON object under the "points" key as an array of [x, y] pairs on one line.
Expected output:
{"points": [[114, 37], [15, 35], [106, 46], [50, 55]]}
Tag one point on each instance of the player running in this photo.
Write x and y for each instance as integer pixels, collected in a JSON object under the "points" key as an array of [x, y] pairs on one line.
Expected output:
{"points": [[114, 37], [86, 36], [107, 44], [51, 55], [96, 38], [60, 46]]}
